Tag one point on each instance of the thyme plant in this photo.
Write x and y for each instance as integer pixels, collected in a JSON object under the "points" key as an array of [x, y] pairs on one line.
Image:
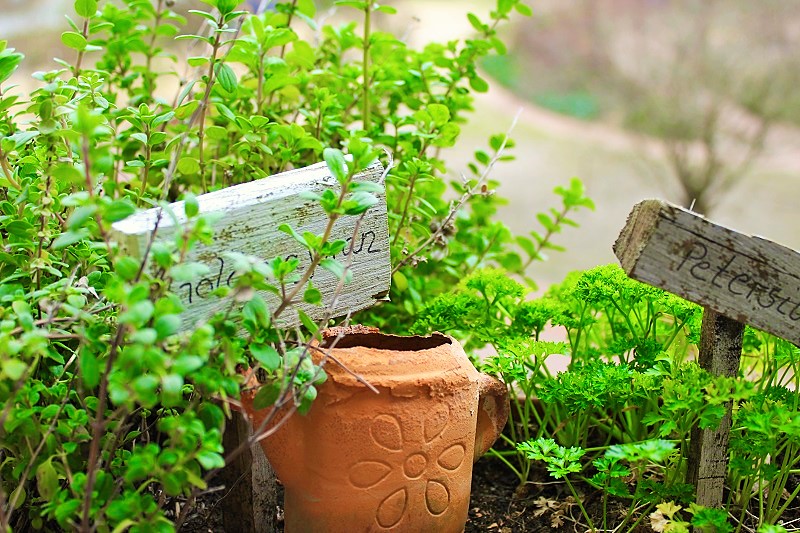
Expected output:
{"points": [[112, 414]]}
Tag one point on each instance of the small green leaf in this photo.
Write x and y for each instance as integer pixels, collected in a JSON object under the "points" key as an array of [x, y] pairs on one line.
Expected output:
{"points": [[475, 22], [335, 267], [210, 460], [400, 281], [80, 216], [20, 228], [167, 325], [138, 313], [306, 320], [523, 9], [226, 77], [267, 395], [13, 368], [439, 113], [336, 163], [188, 271], [188, 166], [127, 268], [190, 205], [47, 479], [359, 202], [266, 355], [74, 40], [90, 368], [86, 8], [256, 311], [9, 62], [197, 61], [69, 237], [312, 296], [286, 228], [478, 84], [186, 364], [118, 210]]}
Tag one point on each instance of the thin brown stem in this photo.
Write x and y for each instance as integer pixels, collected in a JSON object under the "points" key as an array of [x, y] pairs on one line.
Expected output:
{"points": [[98, 426], [7, 171], [405, 208], [366, 87], [467, 196], [79, 59], [147, 162], [289, 299], [205, 101]]}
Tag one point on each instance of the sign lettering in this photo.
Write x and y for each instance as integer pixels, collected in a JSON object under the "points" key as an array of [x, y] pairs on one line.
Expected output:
{"points": [[250, 215]]}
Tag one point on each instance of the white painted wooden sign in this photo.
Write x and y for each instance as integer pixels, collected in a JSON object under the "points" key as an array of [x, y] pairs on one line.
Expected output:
{"points": [[749, 279], [250, 216]]}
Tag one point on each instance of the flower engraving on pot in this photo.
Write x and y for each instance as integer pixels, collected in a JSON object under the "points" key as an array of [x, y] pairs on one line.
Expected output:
{"points": [[416, 468]]}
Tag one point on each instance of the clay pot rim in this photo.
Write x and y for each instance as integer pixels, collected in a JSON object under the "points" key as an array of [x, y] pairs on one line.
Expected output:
{"points": [[373, 339]]}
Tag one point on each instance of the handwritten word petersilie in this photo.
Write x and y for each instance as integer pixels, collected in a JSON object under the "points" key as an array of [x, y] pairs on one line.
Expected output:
{"points": [[732, 274]]}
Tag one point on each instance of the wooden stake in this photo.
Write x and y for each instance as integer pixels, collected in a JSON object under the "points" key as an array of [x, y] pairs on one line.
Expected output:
{"points": [[739, 279], [251, 497], [720, 353]]}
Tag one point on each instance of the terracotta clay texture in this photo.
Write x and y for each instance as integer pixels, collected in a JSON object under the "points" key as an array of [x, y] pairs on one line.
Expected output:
{"points": [[400, 460]]}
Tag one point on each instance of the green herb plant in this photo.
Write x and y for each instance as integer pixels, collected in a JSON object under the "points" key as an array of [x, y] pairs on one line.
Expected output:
{"points": [[112, 411], [631, 382]]}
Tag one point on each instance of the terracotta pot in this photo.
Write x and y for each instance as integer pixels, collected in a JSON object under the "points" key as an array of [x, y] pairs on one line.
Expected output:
{"points": [[400, 460]]}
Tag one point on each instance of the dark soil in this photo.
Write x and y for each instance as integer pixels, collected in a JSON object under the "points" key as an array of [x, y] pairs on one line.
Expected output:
{"points": [[496, 506], [541, 507]]}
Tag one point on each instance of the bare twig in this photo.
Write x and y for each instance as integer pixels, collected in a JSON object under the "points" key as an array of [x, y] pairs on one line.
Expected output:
{"points": [[470, 193]]}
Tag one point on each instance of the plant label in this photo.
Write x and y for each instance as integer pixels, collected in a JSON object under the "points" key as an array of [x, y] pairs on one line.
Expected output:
{"points": [[247, 218], [738, 278], [748, 279]]}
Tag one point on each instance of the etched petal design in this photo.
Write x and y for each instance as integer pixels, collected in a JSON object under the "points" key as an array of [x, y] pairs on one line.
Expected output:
{"points": [[415, 465], [437, 497], [366, 474], [391, 509], [385, 431], [452, 457], [436, 421]]}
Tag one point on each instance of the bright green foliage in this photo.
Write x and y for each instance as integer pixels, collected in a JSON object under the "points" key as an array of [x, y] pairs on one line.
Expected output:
{"points": [[630, 385], [111, 411]]}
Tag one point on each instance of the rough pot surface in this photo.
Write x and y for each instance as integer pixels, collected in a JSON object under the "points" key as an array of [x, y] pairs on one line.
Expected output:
{"points": [[399, 460]]}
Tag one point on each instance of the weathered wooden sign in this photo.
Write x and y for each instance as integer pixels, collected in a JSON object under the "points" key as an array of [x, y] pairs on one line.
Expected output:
{"points": [[738, 278], [251, 214], [749, 279]]}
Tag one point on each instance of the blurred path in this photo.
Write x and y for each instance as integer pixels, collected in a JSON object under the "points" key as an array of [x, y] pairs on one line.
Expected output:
{"points": [[618, 170]]}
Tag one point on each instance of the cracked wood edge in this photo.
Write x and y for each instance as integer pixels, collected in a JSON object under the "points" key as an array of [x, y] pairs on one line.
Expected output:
{"points": [[746, 278]]}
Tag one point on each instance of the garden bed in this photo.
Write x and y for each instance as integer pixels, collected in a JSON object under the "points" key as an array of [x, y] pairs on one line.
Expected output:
{"points": [[545, 505]]}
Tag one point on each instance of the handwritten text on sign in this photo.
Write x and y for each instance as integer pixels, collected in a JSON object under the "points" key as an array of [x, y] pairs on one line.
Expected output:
{"points": [[748, 279], [250, 216]]}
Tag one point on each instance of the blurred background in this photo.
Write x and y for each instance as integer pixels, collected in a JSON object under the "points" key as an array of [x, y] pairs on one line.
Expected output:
{"points": [[693, 101]]}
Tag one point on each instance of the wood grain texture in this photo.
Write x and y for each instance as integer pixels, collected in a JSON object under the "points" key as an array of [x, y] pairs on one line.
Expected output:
{"points": [[251, 490], [720, 354], [748, 279], [248, 219]]}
